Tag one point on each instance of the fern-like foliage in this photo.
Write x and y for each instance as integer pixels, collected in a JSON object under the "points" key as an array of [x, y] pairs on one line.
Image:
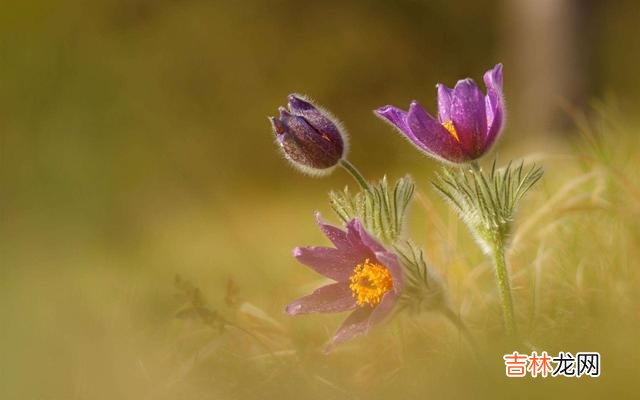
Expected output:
{"points": [[487, 202], [423, 288], [381, 209]]}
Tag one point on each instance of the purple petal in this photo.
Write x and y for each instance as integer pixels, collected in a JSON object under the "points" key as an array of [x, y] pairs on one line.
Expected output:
{"points": [[304, 143], [396, 116], [356, 324], [493, 78], [365, 237], [298, 105], [332, 263], [277, 126], [497, 122], [333, 298], [383, 310], [360, 250], [430, 136], [494, 104], [390, 261], [469, 116], [493, 82], [444, 102], [319, 119], [337, 236]]}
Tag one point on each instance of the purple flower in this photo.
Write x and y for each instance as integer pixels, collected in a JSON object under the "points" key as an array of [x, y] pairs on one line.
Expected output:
{"points": [[368, 279], [309, 137], [468, 122]]}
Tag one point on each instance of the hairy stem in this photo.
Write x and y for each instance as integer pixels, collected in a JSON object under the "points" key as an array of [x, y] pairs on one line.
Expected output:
{"points": [[502, 274], [504, 288], [353, 171]]}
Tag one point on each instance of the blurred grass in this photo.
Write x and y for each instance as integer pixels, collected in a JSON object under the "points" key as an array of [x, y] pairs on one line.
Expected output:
{"points": [[86, 321], [134, 146]]}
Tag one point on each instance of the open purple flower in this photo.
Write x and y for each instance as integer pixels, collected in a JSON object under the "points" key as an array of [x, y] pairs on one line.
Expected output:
{"points": [[368, 279], [311, 138], [468, 122]]}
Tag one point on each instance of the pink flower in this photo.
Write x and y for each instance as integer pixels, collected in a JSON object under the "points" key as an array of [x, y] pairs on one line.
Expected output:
{"points": [[368, 279]]}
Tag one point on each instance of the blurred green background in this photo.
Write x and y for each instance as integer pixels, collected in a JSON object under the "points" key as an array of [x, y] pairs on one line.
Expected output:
{"points": [[134, 146]]}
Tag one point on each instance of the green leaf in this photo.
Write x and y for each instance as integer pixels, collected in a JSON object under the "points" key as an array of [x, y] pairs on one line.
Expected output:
{"points": [[382, 210], [487, 202]]}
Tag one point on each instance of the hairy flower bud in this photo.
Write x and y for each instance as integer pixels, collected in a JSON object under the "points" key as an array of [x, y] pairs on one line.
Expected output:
{"points": [[309, 137]]}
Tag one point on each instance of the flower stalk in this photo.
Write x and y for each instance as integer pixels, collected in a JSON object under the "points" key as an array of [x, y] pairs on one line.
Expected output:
{"points": [[487, 203], [504, 288], [497, 253], [353, 171]]}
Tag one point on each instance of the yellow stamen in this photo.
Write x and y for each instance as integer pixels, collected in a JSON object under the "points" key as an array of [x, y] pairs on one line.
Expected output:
{"points": [[448, 125], [369, 283]]}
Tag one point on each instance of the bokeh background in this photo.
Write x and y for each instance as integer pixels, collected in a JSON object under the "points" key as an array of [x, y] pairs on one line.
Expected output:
{"points": [[135, 146]]}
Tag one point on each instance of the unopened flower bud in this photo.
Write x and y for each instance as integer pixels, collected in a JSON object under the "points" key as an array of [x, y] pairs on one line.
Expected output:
{"points": [[309, 137]]}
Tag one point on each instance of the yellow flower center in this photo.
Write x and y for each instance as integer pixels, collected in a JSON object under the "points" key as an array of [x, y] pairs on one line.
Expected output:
{"points": [[369, 282], [448, 125]]}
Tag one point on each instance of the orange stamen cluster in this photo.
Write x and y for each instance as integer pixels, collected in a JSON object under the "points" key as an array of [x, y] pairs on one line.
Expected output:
{"points": [[370, 282]]}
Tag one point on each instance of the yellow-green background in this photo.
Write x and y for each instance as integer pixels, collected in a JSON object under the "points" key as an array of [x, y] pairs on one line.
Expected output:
{"points": [[134, 146]]}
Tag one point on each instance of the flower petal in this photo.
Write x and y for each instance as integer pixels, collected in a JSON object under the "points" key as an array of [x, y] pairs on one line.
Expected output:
{"points": [[497, 122], [333, 298], [357, 248], [469, 117], [337, 236], [356, 324], [383, 310], [298, 105], [444, 102], [321, 120], [365, 238], [305, 144], [430, 136], [493, 79], [390, 261], [494, 104], [332, 263], [395, 116]]}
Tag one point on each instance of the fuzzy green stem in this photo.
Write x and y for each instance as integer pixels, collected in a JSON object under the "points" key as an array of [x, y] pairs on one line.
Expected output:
{"points": [[353, 171], [504, 288], [502, 274]]}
